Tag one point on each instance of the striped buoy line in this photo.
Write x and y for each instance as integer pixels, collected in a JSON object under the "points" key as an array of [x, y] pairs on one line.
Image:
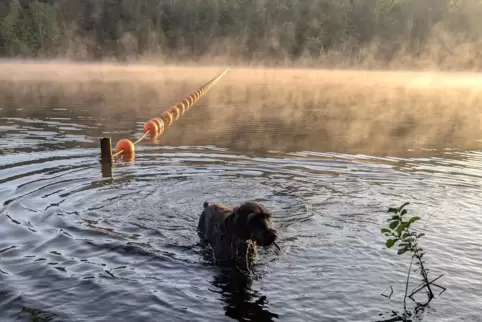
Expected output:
{"points": [[156, 126]]}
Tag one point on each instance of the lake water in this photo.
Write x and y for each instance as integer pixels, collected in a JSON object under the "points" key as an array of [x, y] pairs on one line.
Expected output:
{"points": [[82, 244]]}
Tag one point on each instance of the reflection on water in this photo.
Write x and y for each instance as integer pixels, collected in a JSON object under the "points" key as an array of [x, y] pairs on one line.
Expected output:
{"points": [[83, 243], [240, 301]]}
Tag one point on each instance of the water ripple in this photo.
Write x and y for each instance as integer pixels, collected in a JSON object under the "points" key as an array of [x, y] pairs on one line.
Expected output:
{"points": [[79, 246]]}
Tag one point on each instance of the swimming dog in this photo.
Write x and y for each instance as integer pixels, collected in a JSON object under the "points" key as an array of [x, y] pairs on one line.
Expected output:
{"points": [[235, 234]]}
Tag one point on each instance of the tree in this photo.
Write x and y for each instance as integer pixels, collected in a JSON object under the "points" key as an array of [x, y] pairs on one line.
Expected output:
{"points": [[44, 27], [13, 30], [30, 31]]}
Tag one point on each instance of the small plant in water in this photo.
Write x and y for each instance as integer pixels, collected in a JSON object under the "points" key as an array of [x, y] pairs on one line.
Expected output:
{"points": [[400, 232]]}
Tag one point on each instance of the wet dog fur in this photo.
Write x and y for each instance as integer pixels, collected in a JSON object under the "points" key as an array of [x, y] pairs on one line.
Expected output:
{"points": [[235, 234]]}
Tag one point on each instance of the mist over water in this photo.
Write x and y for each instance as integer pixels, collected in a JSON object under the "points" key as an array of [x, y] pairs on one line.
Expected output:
{"points": [[295, 109], [328, 151]]}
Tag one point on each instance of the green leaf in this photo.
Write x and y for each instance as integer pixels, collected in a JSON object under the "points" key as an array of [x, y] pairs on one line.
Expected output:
{"points": [[405, 235], [401, 228], [403, 206], [390, 243], [414, 219], [394, 210], [385, 230], [393, 224], [396, 217], [402, 251], [420, 235], [404, 212]]}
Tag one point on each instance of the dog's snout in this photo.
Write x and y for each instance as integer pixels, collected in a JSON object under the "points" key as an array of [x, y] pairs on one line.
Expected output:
{"points": [[272, 235]]}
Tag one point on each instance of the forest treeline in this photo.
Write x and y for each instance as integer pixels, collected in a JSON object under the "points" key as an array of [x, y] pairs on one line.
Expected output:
{"points": [[446, 33]]}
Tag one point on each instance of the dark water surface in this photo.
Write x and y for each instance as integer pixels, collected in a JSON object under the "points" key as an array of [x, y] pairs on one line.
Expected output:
{"points": [[79, 246]]}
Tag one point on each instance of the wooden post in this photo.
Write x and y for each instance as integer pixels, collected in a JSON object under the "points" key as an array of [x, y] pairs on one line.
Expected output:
{"points": [[105, 150], [106, 157]]}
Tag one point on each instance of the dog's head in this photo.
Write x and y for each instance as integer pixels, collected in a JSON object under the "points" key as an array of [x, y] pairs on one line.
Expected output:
{"points": [[252, 221]]}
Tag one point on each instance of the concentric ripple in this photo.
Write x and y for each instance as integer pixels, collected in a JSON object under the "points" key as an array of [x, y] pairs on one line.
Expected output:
{"points": [[80, 246]]}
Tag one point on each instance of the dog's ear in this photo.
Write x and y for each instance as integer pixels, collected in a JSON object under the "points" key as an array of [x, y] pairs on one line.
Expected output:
{"points": [[228, 222], [240, 224], [264, 215], [235, 224]]}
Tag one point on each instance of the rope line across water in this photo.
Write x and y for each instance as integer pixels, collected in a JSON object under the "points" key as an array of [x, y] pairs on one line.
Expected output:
{"points": [[156, 126]]}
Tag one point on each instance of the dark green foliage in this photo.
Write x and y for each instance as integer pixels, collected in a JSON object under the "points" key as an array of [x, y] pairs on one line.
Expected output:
{"points": [[252, 29], [30, 29], [400, 231]]}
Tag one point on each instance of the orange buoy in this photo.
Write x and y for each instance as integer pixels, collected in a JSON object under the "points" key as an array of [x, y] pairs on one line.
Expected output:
{"points": [[166, 117], [186, 103], [152, 127], [160, 125], [126, 146], [175, 113], [191, 101], [127, 157], [181, 108]]}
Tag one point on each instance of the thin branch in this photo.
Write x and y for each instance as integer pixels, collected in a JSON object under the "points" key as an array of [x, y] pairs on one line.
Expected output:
{"points": [[406, 285], [426, 221], [425, 277], [391, 292], [443, 288], [419, 288]]}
